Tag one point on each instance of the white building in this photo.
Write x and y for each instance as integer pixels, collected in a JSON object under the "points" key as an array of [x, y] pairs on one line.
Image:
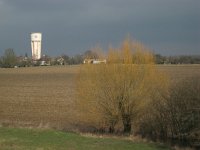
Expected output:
{"points": [[94, 61], [36, 45]]}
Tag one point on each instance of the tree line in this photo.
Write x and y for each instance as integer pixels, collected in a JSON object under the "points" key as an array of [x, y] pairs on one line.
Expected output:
{"points": [[10, 59], [182, 59]]}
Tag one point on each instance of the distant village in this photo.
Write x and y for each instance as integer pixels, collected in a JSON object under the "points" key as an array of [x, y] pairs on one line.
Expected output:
{"points": [[11, 60]]}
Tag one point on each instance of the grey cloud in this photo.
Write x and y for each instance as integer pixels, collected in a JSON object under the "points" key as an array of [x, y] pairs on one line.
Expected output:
{"points": [[72, 26]]}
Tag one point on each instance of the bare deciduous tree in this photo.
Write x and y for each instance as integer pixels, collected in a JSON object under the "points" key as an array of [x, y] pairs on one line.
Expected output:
{"points": [[117, 91], [9, 59]]}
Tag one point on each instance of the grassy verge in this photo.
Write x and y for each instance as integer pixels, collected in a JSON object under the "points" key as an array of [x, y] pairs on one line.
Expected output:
{"points": [[37, 139]]}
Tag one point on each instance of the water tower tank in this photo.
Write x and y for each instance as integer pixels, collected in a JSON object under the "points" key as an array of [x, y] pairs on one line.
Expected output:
{"points": [[36, 44]]}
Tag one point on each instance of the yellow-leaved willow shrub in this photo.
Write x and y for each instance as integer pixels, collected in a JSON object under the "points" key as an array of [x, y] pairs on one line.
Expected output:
{"points": [[117, 92]]}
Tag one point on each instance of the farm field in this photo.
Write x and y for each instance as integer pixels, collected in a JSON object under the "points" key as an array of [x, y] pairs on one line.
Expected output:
{"points": [[37, 96], [177, 72], [43, 96], [37, 139]]}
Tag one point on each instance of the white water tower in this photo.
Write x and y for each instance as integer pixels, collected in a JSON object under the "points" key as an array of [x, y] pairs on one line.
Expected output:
{"points": [[36, 44]]}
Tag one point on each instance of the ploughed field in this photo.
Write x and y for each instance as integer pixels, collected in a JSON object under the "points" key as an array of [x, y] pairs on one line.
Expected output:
{"points": [[37, 96], [43, 96]]}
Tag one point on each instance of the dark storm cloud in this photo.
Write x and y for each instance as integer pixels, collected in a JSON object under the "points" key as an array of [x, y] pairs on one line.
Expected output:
{"points": [[73, 26]]}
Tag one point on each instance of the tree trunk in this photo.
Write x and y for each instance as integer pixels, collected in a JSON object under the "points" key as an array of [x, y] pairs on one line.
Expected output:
{"points": [[111, 129], [127, 123]]}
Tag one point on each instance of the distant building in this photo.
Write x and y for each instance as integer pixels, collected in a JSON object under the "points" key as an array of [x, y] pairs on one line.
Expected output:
{"points": [[36, 44], [94, 61]]}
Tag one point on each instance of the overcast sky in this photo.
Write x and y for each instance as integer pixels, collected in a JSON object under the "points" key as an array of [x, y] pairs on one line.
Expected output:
{"points": [[168, 27]]}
